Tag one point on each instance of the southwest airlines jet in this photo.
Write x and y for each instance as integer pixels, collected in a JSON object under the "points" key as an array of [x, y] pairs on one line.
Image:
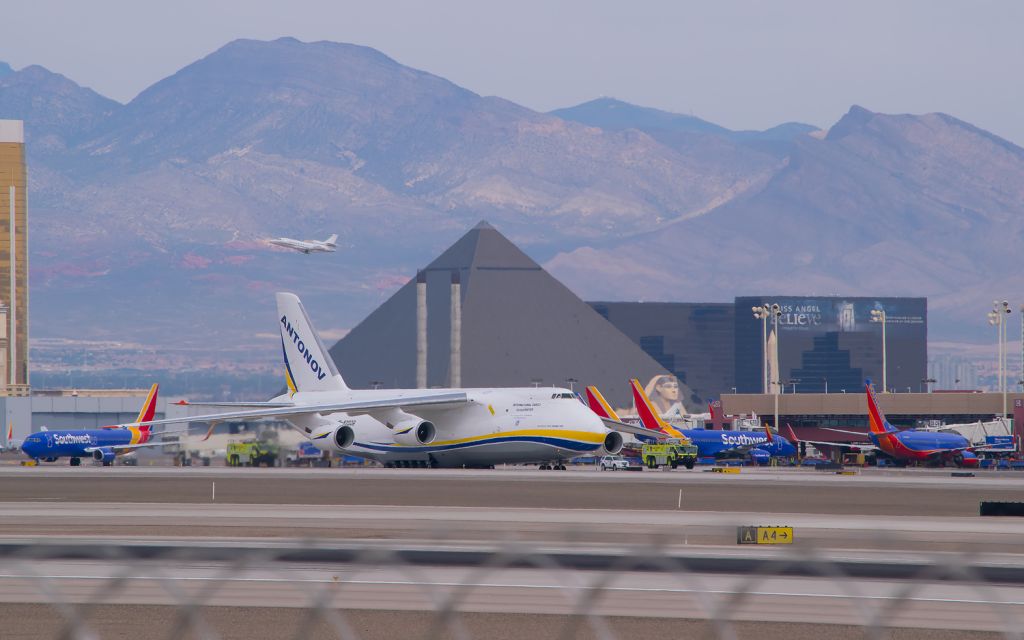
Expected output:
{"points": [[909, 445], [308, 246], [102, 444], [759, 446], [419, 427]]}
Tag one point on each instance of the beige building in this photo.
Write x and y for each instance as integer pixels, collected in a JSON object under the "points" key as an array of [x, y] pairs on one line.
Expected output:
{"points": [[13, 260]]}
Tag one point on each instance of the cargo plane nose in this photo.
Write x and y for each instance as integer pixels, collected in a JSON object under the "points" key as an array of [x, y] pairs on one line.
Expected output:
{"points": [[591, 423]]}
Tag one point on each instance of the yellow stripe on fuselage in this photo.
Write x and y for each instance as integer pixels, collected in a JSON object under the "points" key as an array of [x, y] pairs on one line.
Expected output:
{"points": [[136, 435], [565, 434]]}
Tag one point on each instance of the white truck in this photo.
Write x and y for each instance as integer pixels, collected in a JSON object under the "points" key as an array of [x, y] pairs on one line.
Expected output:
{"points": [[615, 463]]}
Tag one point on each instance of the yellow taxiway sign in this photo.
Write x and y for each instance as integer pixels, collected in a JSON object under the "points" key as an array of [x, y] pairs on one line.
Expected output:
{"points": [[764, 535]]}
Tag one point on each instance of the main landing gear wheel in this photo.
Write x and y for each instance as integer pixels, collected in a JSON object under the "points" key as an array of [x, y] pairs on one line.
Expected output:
{"points": [[75, 462]]}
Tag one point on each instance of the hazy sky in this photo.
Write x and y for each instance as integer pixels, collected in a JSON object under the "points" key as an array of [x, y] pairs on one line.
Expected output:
{"points": [[742, 64]]}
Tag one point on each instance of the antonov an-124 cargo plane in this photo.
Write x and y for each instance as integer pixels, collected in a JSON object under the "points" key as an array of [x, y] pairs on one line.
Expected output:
{"points": [[420, 427]]}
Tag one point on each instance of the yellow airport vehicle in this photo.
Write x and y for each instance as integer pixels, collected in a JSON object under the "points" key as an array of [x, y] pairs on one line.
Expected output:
{"points": [[672, 453], [251, 454]]}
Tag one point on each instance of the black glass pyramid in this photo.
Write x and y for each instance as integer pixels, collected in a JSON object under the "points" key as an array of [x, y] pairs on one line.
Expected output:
{"points": [[519, 325]]}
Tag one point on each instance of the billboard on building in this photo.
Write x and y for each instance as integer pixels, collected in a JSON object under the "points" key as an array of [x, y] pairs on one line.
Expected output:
{"points": [[832, 342]]}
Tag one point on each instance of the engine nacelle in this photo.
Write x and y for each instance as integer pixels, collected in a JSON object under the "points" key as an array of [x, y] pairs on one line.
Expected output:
{"points": [[333, 437], [413, 431], [613, 442], [106, 456], [760, 456], [343, 437]]}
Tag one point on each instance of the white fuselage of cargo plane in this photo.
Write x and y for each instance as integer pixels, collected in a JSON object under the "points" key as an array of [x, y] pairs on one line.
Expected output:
{"points": [[493, 426], [420, 427]]}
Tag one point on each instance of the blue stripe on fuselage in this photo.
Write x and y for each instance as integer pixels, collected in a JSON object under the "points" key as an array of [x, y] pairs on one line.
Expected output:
{"points": [[72, 443], [561, 443]]}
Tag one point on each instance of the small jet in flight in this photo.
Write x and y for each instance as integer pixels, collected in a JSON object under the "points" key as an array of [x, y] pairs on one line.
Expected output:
{"points": [[307, 246]]}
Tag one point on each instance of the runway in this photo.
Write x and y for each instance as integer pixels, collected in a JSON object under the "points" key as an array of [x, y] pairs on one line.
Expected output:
{"points": [[537, 592], [849, 519], [669, 526], [777, 491]]}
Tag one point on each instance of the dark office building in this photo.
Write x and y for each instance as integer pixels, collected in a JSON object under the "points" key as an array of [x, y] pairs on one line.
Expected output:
{"points": [[714, 347], [695, 341], [832, 341]]}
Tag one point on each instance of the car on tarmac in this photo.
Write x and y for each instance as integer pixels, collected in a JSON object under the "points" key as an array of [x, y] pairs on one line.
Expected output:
{"points": [[615, 463]]}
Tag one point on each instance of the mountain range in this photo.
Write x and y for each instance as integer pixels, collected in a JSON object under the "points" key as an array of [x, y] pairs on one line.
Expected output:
{"points": [[147, 218]]}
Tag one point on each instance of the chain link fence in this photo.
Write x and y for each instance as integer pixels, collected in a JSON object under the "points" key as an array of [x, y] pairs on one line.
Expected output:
{"points": [[578, 590]]}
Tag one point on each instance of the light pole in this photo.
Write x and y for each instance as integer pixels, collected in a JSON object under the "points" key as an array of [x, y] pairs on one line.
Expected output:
{"points": [[1022, 339], [761, 313], [997, 318], [776, 312], [878, 315]]}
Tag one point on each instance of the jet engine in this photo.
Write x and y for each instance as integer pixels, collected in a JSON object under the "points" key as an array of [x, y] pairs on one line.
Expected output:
{"points": [[413, 431], [106, 456], [760, 456], [613, 442], [343, 437], [335, 437]]}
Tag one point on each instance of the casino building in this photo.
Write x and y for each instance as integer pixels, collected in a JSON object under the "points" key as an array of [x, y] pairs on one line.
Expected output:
{"points": [[824, 343], [13, 260]]}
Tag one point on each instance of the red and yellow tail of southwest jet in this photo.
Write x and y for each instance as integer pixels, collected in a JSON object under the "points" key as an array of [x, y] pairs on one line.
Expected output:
{"points": [[145, 415], [648, 414], [599, 405], [878, 425]]}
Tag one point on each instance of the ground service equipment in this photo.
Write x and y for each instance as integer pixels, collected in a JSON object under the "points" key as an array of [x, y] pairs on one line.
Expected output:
{"points": [[251, 454], [671, 452], [307, 455]]}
